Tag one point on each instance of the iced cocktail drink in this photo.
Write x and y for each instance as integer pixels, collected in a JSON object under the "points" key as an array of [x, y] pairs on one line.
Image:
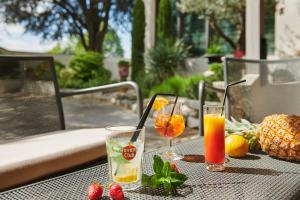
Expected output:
{"points": [[125, 157]]}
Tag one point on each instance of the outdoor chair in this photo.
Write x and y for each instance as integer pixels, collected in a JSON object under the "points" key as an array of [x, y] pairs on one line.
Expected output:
{"points": [[272, 86], [31, 104]]}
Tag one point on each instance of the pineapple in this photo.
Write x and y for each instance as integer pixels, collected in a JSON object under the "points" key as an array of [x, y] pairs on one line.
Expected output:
{"points": [[279, 136]]}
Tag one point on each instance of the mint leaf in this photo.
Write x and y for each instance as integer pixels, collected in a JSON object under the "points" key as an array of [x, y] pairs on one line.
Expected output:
{"points": [[150, 181], [146, 179], [157, 164], [167, 185], [173, 174], [166, 169], [181, 177], [175, 182], [153, 182], [160, 181], [164, 176]]}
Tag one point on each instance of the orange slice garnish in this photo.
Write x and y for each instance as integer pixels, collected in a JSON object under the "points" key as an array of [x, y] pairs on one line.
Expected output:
{"points": [[159, 103]]}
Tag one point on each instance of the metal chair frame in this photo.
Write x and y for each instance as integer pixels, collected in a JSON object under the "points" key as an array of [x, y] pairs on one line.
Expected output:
{"points": [[59, 95], [203, 86]]}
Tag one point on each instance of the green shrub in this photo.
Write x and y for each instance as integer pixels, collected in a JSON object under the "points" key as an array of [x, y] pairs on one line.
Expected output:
{"points": [[217, 69], [58, 66], [214, 49], [183, 86], [40, 72], [123, 62], [165, 59], [65, 78], [85, 70], [176, 85], [193, 85]]}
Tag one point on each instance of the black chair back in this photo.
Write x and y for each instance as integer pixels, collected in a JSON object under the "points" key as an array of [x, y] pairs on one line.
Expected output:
{"points": [[29, 100]]}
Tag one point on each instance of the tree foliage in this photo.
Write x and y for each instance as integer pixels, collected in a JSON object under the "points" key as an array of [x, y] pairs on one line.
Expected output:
{"points": [[58, 18], [164, 20], [232, 11], [138, 36], [111, 45]]}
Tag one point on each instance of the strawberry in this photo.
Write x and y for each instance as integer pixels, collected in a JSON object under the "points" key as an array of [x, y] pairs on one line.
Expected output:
{"points": [[174, 167], [116, 192], [95, 191]]}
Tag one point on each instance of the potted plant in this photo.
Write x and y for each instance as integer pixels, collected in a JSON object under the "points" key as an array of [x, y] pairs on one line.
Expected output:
{"points": [[123, 69], [214, 54]]}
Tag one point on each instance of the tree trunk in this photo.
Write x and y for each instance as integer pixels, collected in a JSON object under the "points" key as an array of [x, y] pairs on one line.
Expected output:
{"points": [[242, 35], [97, 25], [214, 25]]}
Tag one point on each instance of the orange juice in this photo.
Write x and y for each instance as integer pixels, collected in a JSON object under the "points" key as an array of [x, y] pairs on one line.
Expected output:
{"points": [[214, 138], [169, 128]]}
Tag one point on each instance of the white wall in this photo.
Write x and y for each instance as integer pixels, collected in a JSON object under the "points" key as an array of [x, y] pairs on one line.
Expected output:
{"points": [[287, 28], [112, 65], [195, 66], [253, 28]]}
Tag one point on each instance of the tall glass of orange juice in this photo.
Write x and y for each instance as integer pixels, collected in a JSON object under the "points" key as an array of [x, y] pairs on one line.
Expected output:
{"points": [[214, 137]]}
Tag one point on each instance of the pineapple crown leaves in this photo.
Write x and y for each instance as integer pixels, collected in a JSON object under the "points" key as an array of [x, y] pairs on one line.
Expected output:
{"points": [[242, 127]]}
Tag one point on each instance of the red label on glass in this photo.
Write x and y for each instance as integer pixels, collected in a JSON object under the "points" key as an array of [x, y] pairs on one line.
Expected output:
{"points": [[129, 152]]}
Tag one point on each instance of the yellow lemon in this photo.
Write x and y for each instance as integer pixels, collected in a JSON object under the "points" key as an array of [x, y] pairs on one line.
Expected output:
{"points": [[126, 174], [236, 146], [159, 103], [126, 179]]}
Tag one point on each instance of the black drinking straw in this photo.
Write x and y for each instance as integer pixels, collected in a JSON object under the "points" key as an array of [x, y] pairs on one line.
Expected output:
{"points": [[171, 114], [226, 90], [145, 115]]}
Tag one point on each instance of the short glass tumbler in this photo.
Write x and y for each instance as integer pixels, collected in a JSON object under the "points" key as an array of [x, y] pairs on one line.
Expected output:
{"points": [[214, 137], [125, 157]]}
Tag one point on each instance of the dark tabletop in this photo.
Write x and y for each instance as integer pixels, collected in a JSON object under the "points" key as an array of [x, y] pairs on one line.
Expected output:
{"points": [[257, 176]]}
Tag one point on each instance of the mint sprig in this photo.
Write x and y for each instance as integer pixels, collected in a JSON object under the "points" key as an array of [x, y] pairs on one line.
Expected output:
{"points": [[164, 176]]}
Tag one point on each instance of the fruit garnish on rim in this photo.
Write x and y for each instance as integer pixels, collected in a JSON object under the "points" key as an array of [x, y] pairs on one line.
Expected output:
{"points": [[166, 175], [159, 103]]}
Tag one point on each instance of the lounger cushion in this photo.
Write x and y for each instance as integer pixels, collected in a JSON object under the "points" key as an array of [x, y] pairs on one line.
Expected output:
{"points": [[34, 157]]}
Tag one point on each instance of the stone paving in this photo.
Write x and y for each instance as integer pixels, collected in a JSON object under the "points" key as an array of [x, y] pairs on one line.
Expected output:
{"points": [[82, 113]]}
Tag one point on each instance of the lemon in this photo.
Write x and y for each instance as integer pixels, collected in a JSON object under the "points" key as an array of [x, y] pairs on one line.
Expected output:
{"points": [[159, 103], [236, 146], [126, 174], [126, 179]]}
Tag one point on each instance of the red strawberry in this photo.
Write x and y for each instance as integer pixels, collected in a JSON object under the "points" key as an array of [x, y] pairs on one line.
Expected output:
{"points": [[174, 167], [95, 191], [116, 192]]}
